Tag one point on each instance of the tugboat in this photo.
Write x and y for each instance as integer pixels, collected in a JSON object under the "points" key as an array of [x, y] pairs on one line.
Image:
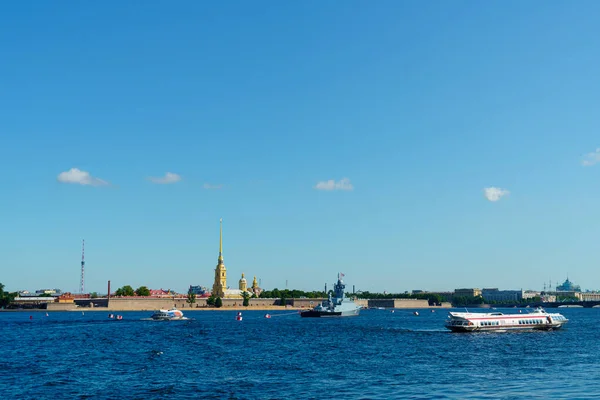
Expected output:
{"points": [[168, 315], [337, 306]]}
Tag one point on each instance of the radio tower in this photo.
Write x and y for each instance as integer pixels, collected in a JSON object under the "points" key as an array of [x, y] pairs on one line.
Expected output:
{"points": [[82, 267]]}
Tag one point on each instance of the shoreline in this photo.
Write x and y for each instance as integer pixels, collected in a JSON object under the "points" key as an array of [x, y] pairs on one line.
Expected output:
{"points": [[200, 309], [111, 310]]}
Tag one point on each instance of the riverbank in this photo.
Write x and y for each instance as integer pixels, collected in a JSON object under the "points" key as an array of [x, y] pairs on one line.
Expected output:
{"points": [[186, 310]]}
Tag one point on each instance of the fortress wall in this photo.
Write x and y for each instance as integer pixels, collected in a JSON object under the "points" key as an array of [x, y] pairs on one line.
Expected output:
{"points": [[181, 303], [410, 303], [362, 302], [145, 303], [306, 303], [398, 303], [61, 306]]}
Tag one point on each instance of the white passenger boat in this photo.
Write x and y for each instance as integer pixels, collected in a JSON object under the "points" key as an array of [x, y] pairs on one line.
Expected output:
{"points": [[168, 315], [537, 319]]}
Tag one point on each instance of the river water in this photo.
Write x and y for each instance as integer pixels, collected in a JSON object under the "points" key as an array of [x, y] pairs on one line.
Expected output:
{"points": [[377, 355]]}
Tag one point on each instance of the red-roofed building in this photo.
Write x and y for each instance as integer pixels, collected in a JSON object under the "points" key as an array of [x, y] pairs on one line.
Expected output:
{"points": [[161, 293]]}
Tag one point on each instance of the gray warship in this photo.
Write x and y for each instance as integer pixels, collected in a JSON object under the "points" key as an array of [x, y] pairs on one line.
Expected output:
{"points": [[338, 306]]}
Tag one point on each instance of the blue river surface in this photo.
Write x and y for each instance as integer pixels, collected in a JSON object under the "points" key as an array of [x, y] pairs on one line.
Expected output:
{"points": [[377, 355]]}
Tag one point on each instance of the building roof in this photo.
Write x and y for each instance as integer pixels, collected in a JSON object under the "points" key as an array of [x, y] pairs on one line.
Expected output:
{"points": [[568, 286]]}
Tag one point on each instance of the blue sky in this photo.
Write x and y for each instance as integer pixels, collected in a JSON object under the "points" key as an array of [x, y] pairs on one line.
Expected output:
{"points": [[411, 109]]}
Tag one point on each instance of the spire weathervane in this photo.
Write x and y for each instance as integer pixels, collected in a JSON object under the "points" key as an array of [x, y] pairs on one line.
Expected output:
{"points": [[221, 242]]}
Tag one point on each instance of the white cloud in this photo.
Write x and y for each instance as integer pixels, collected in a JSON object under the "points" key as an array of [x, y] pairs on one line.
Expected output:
{"points": [[591, 158], [494, 193], [342, 184], [168, 178], [77, 176], [209, 186]]}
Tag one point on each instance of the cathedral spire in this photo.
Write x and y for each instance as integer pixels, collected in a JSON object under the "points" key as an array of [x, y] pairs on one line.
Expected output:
{"points": [[221, 242]]}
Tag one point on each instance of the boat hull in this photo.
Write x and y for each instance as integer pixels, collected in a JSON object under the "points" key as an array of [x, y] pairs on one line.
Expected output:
{"points": [[502, 328], [328, 314]]}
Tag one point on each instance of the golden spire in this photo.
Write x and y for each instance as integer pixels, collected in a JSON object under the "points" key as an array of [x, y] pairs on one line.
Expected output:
{"points": [[221, 242]]}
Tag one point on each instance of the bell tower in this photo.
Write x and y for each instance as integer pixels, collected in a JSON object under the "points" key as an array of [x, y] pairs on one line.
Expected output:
{"points": [[220, 271], [243, 284]]}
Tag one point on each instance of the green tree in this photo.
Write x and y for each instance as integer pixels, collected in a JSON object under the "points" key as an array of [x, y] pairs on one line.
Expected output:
{"points": [[211, 300], [191, 298], [246, 301], [283, 300], [94, 295], [125, 291], [434, 299], [218, 302], [142, 291], [5, 297]]}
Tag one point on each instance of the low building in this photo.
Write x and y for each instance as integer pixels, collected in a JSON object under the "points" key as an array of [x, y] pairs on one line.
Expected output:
{"points": [[51, 292], [588, 296], [67, 298], [467, 292], [162, 293], [530, 294], [41, 293], [199, 291], [548, 297], [501, 295]]}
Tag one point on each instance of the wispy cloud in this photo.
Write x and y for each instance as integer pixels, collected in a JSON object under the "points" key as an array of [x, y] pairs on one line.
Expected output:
{"points": [[591, 158], [208, 186], [494, 193], [342, 184], [169, 177], [79, 177]]}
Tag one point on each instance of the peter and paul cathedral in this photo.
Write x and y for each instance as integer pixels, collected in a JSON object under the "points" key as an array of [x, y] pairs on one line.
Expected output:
{"points": [[220, 288]]}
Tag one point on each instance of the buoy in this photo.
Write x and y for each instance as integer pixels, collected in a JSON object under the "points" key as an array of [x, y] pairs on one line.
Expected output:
{"points": [[392, 311], [267, 316], [46, 314], [432, 310], [111, 316], [239, 316], [31, 317], [119, 317], [82, 313], [416, 313]]}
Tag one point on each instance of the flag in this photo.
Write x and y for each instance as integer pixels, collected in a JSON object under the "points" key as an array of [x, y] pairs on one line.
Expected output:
{"points": [[342, 275]]}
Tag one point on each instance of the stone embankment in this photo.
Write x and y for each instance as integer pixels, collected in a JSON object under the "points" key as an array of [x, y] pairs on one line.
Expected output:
{"points": [[149, 304]]}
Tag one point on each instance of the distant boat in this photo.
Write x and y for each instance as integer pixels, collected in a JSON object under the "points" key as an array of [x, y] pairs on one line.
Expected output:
{"points": [[337, 306], [570, 306], [168, 315]]}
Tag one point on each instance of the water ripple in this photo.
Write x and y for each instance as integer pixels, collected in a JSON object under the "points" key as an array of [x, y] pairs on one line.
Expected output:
{"points": [[378, 355]]}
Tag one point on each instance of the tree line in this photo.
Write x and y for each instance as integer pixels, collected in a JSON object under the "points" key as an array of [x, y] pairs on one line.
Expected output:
{"points": [[6, 297], [127, 290]]}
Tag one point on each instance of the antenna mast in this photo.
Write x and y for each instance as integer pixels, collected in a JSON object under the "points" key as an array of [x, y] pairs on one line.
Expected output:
{"points": [[82, 288]]}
